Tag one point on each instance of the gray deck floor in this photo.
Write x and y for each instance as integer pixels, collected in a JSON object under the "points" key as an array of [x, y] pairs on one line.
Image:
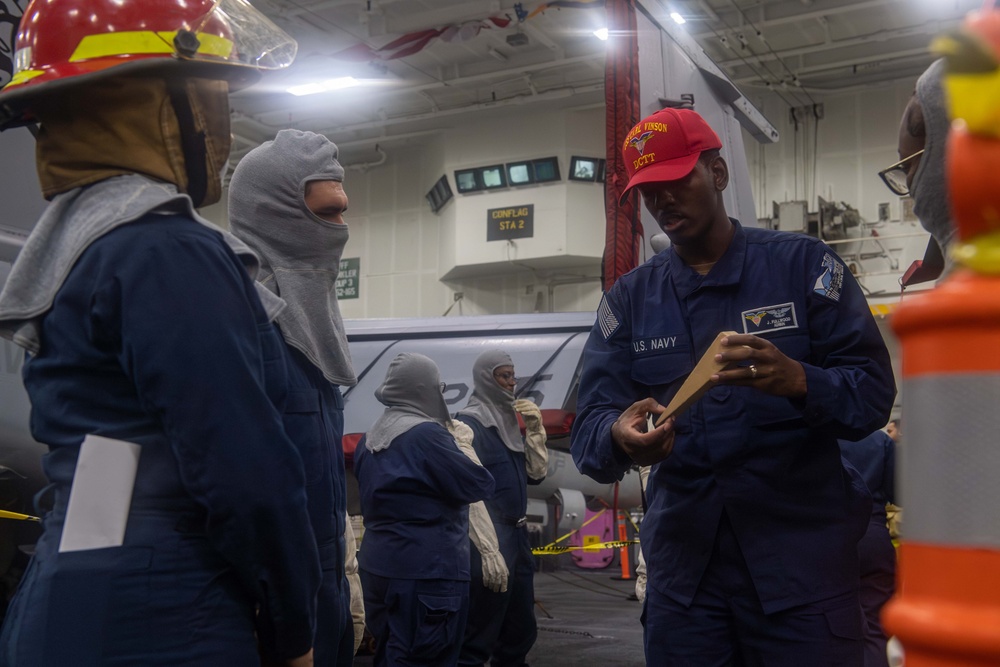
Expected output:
{"points": [[585, 617]]}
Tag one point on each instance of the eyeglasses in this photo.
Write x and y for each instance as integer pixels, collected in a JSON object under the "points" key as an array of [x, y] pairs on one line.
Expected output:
{"points": [[506, 377], [895, 176], [444, 387]]}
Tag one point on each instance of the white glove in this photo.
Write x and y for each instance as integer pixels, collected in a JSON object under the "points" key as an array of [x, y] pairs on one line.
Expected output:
{"points": [[640, 568], [481, 530], [463, 435], [354, 583], [643, 476], [535, 452], [484, 536], [640, 578]]}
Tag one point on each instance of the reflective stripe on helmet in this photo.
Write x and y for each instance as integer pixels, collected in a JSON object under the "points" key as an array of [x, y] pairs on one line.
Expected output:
{"points": [[26, 75], [145, 42]]}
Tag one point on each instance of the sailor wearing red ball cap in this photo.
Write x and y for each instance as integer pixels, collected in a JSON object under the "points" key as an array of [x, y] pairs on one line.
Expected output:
{"points": [[753, 519]]}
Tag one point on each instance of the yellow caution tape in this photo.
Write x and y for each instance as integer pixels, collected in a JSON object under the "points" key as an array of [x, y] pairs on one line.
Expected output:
{"points": [[558, 549], [621, 544], [552, 549], [4, 514], [589, 540], [572, 532]]}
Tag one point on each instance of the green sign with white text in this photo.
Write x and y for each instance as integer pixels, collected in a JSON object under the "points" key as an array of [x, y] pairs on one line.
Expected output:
{"points": [[349, 278]]}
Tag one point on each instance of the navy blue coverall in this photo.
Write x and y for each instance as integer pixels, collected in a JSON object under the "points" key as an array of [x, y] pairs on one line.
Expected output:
{"points": [[754, 496], [414, 557], [875, 458], [157, 337], [502, 625], [313, 416]]}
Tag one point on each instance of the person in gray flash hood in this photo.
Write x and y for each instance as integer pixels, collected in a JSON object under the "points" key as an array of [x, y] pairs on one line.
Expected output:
{"points": [[502, 628], [924, 127], [286, 201], [300, 245], [415, 486]]}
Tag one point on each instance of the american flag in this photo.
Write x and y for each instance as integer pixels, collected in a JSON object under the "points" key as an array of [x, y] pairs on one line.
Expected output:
{"points": [[606, 319]]}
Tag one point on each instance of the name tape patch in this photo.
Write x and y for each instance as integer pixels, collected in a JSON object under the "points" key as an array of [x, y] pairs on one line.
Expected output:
{"points": [[770, 318]]}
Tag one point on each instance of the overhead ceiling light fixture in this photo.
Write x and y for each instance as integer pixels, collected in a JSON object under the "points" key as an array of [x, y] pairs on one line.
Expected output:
{"points": [[678, 19], [323, 86], [601, 34], [517, 39]]}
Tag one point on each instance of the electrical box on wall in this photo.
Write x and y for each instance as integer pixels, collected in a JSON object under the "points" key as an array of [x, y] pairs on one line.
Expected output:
{"points": [[558, 226], [791, 216]]}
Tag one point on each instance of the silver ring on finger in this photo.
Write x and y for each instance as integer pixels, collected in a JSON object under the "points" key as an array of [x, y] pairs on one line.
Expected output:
{"points": [[753, 371]]}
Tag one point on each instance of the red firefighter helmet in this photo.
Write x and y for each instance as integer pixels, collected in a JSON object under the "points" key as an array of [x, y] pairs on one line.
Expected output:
{"points": [[70, 42]]}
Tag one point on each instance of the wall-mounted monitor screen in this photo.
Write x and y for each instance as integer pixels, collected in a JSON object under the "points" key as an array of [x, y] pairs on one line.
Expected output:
{"points": [[583, 168], [546, 169], [481, 178], [493, 177], [440, 194], [520, 173], [465, 180]]}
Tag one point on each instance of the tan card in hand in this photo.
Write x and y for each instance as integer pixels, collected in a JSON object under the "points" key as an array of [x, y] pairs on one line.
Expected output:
{"points": [[699, 381]]}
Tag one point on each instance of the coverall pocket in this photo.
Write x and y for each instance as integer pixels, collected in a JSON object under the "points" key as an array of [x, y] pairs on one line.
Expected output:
{"points": [[275, 369], [94, 594], [303, 426], [844, 621], [662, 370], [437, 626], [664, 374], [492, 455], [270, 342], [768, 412]]}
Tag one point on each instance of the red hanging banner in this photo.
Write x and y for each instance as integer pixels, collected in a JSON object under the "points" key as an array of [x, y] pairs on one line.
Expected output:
{"points": [[623, 231]]}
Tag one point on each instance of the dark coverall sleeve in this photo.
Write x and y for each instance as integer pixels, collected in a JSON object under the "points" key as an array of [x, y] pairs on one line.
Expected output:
{"points": [[889, 469], [456, 476], [848, 374], [190, 329], [606, 390]]}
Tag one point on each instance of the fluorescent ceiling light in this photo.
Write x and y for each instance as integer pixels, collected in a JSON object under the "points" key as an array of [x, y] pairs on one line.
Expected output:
{"points": [[324, 86], [678, 19], [601, 34]]}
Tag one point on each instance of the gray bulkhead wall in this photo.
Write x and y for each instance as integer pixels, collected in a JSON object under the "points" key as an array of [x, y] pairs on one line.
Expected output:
{"points": [[21, 204], [20, 193]]}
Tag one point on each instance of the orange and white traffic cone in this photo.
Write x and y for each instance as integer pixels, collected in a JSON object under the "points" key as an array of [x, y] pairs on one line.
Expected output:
{"points": [[947, 608], [623, 551]]}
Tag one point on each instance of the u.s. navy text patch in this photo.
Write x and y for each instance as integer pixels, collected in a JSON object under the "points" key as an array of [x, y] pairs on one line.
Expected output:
{"points": [[831, 281], [770, 318], [656, 344]]}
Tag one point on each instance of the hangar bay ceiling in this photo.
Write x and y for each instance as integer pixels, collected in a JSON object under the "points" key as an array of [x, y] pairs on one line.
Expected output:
{"points": [[427, 64]]}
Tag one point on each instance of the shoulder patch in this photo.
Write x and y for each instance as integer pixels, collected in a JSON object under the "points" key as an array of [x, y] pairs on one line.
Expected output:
{"points": [[606, 318], [831, 280]]}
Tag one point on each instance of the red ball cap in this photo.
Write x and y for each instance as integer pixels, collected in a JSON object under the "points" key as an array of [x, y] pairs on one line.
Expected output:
{"points": [[665, 146]]}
